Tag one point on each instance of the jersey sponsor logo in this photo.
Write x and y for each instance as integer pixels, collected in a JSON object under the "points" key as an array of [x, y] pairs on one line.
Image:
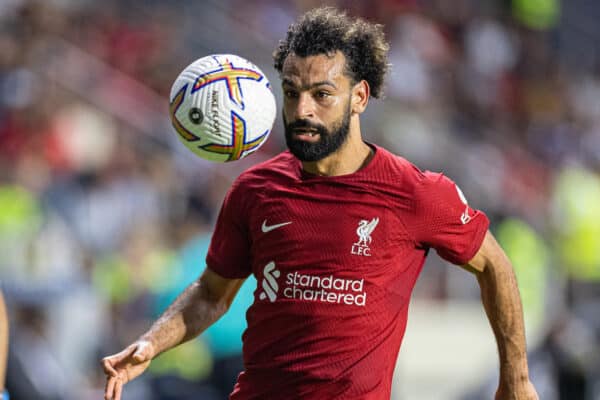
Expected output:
{"points": [[364, 230], [269, 282], [268, 228], [325, 289], [305, 287], [464, 217]]}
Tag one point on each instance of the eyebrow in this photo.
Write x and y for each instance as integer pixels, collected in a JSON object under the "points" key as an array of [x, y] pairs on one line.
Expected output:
{"points": [[289, 82]]}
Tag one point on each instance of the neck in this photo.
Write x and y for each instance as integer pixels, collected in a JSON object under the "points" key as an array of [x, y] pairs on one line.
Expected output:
{"points": [[349, 158]]}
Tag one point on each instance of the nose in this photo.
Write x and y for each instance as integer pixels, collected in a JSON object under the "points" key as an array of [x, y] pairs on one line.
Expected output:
{"points": [[305, 107]]}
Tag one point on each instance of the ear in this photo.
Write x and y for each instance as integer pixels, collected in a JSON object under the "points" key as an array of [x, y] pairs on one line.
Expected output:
{"points": [[360, 97]]}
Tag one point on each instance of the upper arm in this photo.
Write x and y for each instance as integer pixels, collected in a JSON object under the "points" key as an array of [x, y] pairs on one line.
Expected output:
{"points": [[443, 220], [220, 289], [229, 249], [489, 255]]}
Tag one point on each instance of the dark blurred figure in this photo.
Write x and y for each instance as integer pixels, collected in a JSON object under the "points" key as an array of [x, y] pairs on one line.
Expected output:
{"points": [[3, 346], [34, 372]]}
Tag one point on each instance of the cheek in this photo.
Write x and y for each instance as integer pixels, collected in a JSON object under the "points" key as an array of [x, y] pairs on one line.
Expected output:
{"points": [[333, 113], [287, 110], [285, 114]]}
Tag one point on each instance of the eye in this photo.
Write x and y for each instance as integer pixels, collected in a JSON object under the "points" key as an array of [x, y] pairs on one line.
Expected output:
{"points": [[321, 94], [290, 94]]}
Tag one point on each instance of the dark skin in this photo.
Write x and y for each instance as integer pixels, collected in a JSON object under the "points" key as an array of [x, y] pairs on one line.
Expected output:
{"points": [[317, 88], [198, 307], [502, 303]]}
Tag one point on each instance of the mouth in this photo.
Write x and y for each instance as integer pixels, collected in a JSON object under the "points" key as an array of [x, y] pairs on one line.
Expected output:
{"points": [[306, 135]]}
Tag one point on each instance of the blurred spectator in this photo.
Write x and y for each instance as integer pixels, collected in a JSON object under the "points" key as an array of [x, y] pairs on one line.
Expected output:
{"points": [[3, 344], [223, 336]]}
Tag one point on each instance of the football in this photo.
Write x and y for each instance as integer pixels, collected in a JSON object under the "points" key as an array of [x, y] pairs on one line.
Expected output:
{"points": [[222, 107]]}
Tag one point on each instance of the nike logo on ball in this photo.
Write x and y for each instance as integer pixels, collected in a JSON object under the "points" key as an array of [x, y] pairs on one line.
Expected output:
{"points": [[268, 228]]}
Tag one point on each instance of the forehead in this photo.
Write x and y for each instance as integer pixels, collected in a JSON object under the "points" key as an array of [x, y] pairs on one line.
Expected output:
{"points": [[305, 71]]}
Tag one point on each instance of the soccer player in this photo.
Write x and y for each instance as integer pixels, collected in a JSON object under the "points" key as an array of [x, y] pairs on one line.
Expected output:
{"points": [[336, 231]]}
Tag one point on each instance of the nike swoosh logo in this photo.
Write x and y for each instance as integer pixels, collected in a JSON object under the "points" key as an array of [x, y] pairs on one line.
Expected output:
{"points": [[268, 228]]}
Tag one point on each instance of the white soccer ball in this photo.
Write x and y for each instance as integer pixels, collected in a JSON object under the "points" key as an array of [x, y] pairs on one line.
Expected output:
{"points": [[222, 107]]}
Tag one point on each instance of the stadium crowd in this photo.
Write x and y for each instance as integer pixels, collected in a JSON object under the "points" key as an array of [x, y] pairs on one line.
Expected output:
{"points": [[104, 215]]}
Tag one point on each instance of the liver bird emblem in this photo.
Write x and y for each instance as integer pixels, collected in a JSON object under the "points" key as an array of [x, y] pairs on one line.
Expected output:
{"points": [[364, 230]]}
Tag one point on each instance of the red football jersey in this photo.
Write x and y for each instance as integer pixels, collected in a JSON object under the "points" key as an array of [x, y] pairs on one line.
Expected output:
{"points": [[336, 259]]}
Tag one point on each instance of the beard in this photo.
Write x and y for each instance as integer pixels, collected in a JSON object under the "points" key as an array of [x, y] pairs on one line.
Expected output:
{"points": [[330, 140]]}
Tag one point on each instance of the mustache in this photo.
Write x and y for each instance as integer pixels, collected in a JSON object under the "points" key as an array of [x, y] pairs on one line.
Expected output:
{"points": [[304, 123]]}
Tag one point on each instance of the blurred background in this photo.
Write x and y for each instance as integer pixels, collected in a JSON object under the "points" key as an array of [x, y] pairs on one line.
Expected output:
{"points": [[105, 216]]}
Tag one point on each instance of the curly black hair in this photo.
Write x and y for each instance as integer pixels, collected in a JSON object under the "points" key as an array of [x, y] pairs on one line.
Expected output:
{"points": [[326, 30]]}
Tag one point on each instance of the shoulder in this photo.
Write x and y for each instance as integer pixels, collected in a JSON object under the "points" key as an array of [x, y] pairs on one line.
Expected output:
{"points": [[399, 171], [281, 167], [255, 182], [415, 186], [282, 162]]}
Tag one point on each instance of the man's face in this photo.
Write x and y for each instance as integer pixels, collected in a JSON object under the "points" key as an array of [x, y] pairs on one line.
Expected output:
{"points": [[316, 107]]}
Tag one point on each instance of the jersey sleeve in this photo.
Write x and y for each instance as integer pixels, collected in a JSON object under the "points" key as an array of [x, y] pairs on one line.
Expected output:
{"points": [[229, 251], [445, 221]]}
